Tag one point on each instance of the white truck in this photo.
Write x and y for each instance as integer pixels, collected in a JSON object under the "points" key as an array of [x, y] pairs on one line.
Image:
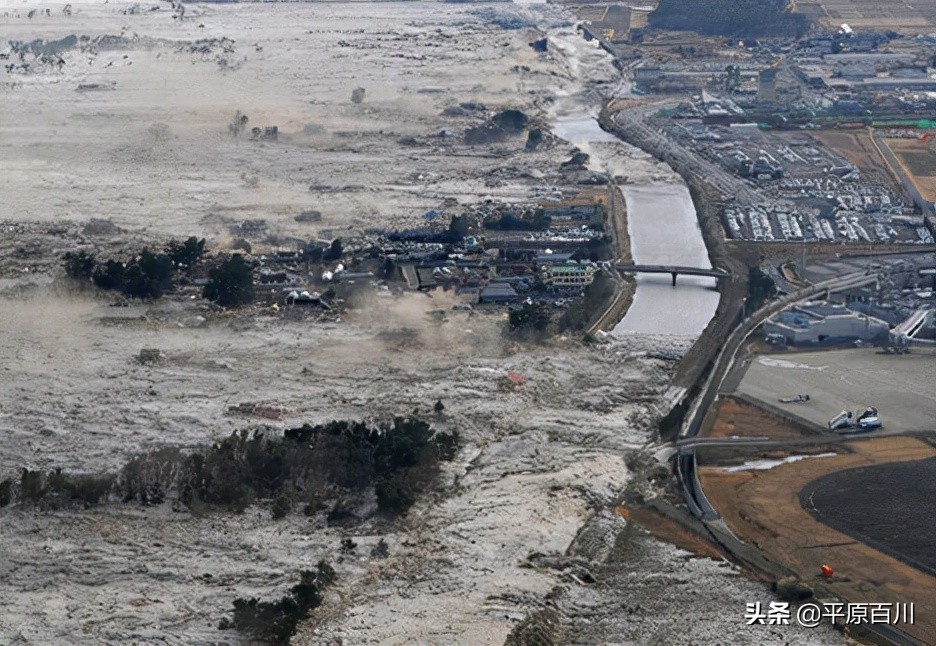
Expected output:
{"points": [[847, 422]]}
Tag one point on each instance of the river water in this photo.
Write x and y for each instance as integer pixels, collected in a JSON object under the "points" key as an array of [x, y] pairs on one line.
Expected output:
{"points": [[664, 230]]}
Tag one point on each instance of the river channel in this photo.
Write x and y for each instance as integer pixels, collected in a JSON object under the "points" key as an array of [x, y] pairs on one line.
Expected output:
{"points": [[664, 230]]}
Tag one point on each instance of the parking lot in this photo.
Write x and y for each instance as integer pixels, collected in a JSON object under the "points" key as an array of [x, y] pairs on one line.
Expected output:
{"points": [[899, 386]]}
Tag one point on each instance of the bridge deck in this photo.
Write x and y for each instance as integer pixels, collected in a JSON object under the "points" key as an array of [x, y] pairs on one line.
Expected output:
{"points": [[674, 269]]}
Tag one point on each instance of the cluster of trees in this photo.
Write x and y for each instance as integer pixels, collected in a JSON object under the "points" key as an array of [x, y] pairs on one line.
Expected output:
{"points": [[55, 489], [594, 300], [397, 461], [761, 288], [231, 282], [528, 320], [275, 622], [459, 227], [148, 275], [185, 254], [596, 249], [538, 221], [316, 253]]}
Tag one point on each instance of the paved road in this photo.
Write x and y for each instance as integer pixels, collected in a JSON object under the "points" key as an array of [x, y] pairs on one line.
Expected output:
{"points": [[790, 442], [686, 464], [727, 355]]}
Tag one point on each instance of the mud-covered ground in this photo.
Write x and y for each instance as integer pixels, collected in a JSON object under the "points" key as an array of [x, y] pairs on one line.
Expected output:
{"points": [[150, 147], [152, 154], [533, 460]]}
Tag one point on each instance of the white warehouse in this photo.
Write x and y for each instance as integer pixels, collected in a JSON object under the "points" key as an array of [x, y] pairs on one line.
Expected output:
{"points": [[820, 322]]}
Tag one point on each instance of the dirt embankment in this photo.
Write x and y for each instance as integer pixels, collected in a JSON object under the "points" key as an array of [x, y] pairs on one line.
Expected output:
{"points": [[624, 295], [733, 290], [763, 508]]}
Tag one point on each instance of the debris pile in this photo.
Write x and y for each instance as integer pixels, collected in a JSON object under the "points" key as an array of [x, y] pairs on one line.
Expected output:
{"points": [[253, 409], [150, 356], [500, 127]]}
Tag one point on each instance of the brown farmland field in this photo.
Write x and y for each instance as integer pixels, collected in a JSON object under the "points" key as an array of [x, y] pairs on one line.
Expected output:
{"points": [[856, 146], [918, 162]]}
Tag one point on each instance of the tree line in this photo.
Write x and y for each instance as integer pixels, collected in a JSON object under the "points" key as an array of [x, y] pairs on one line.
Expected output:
{"points": [[306, 466], [150, 274]]}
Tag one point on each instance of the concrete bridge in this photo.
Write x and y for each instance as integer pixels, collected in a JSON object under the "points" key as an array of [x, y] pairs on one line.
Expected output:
{"points": [[673, 270]]}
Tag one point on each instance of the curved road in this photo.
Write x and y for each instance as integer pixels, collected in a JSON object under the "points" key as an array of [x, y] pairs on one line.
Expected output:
{"points": [[686, 461], [726, 357]]}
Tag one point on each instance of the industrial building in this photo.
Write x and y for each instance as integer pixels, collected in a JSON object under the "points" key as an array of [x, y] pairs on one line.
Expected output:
{"points": [[498, 293], [818, 323]]}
